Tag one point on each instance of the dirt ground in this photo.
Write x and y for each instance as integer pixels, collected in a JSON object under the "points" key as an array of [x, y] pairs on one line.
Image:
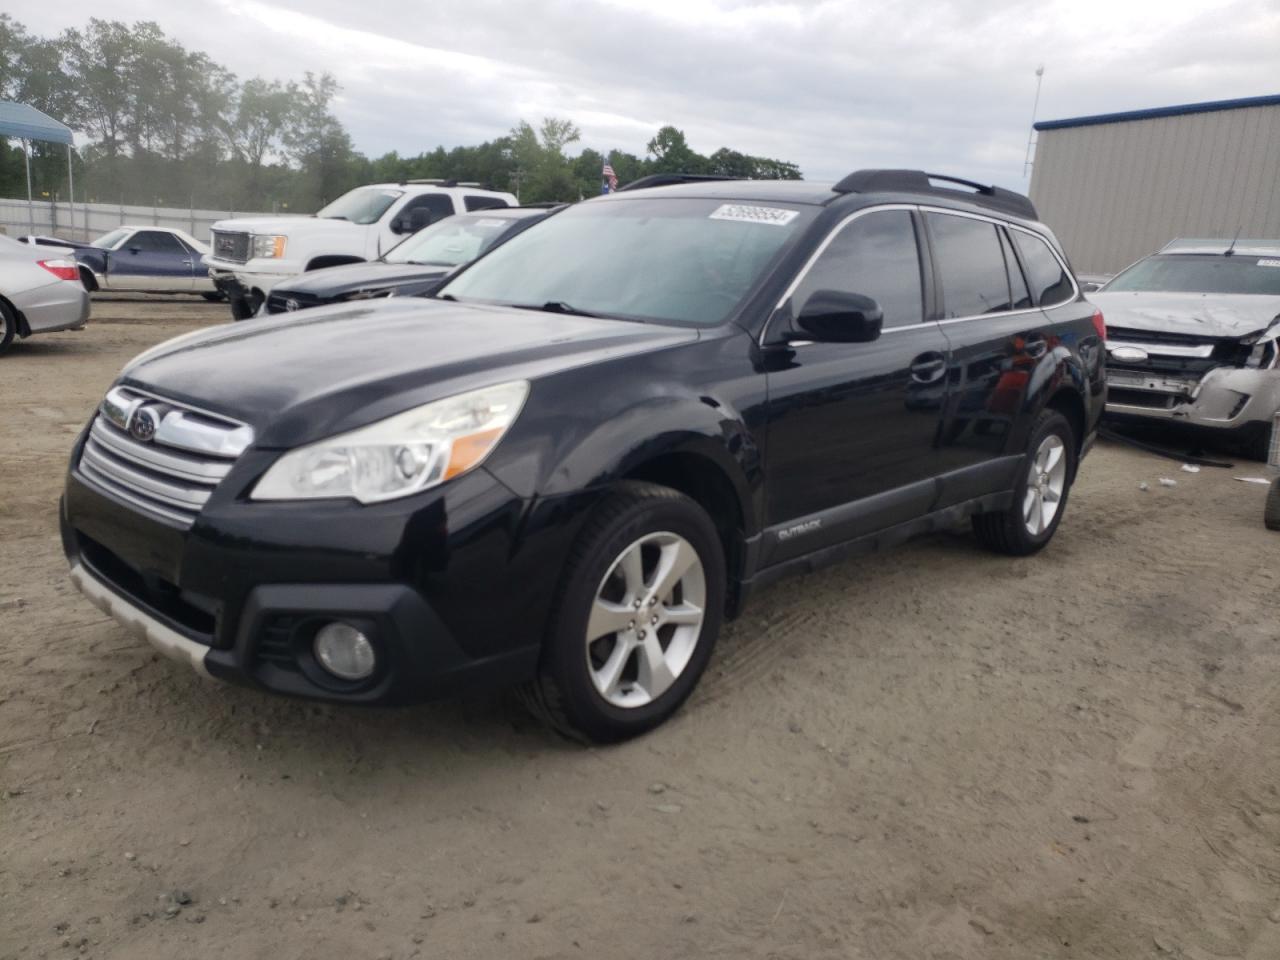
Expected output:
{"points": [[936, 753]]}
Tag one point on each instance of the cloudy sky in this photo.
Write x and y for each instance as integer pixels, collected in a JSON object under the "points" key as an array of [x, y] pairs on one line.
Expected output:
{"points": [[832, 86]]}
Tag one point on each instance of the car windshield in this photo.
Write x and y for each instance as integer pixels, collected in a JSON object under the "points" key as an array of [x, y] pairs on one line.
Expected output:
{"points": [[109, 241], [452, 241], [671, 260], [361, 205], [1201, 273]]}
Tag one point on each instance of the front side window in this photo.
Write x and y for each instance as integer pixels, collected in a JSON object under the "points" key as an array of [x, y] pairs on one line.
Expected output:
{"points": [[874, 255], [153, 241], [675, 260], [452, 241], [440, 205], [1050, 283], [362, 205], [1201, 273], [970, 265]]}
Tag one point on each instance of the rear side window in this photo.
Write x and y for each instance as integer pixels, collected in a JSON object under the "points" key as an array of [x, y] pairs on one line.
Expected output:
{"points": [[1017, 283], [876, 256], [970, 266], [474, 202], [1050, 284]]}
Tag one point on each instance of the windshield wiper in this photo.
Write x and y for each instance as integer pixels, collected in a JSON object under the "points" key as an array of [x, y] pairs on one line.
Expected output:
{"points": [[556, 306]]}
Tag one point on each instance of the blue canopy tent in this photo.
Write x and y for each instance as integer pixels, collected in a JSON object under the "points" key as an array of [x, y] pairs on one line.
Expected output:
{"points": [[21, 122]]}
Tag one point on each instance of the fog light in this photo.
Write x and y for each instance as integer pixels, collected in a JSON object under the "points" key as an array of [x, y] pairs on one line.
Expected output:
{"points": [[344, 651]]}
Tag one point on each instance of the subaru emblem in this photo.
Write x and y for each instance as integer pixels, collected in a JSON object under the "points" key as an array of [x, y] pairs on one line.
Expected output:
{"points": [[143, 424]]}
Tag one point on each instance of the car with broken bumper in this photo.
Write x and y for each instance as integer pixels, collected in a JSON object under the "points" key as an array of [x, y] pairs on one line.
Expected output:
{"points": [[40, 292], [1192, 337], [566, 470]]}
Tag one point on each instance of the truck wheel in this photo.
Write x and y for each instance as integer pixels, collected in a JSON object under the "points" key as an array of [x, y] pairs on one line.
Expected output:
{"points": [[1040, 498], [1271, 514], [639, 610], [8, 326], [241, 309]]}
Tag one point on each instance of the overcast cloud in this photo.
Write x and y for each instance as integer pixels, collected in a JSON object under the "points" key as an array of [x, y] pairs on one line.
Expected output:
{"points": [[831, 86]]}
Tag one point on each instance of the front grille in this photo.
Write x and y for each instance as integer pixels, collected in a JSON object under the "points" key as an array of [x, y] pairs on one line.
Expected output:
{"points": [[170, 467], [231, 246], [1152, 399], [1177, 353]]}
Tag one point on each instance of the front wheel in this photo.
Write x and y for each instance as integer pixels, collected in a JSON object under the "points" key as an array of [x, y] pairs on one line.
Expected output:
{"points": [[8, 327], [1041, 494], [639, 611]]}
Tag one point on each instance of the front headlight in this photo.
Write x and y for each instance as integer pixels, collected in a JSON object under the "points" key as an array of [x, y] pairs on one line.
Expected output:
{"points": [[270, 248], [412, 451]]}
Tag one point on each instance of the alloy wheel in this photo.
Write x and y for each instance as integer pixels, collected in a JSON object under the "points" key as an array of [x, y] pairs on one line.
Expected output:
{"points": [[1046, 483], [646, 619]]}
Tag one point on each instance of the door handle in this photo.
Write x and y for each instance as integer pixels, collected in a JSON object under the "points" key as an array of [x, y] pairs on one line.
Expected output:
{"points": [[928, 368], [1035, 349], [187, 262]]}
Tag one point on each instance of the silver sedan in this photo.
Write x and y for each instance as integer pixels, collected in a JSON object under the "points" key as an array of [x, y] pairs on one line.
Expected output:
{"points": [[40, 291]]}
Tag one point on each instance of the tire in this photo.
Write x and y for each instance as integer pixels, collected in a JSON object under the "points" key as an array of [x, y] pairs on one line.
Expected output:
{"points": [[8, 327], [1271, 513], [1015, 531], [241, 309], [212, 297], [653, 669]]}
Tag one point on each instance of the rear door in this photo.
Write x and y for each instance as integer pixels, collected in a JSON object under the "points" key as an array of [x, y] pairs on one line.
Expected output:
{"points": [[996, 336], [851, 441], [151, 260]]}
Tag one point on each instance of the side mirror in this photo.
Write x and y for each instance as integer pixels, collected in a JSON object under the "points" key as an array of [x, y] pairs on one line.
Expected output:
{"points": [[834, 316], [411, 222]]}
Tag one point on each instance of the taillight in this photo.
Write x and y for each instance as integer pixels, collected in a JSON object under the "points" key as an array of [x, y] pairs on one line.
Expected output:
{"points": [[61, 268], [1100, 325]]}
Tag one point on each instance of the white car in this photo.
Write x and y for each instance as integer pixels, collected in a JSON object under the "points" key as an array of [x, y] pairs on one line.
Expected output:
{"points": [[145, 259], [1192, 338], [252, 255], [40, 291]]}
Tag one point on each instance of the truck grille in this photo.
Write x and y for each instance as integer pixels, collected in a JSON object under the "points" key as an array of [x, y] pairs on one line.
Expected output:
{"points": [[163, 459], [231, 246]]}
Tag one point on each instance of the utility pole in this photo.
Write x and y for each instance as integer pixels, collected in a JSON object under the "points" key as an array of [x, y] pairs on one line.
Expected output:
{"points": [[1031, 134]]}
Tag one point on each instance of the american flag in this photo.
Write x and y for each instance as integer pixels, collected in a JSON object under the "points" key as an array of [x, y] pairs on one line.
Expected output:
{"points": [[610, 178]]}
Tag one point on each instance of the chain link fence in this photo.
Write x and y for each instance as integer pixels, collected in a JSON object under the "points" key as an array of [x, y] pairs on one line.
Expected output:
{"points": [[85, 221]]}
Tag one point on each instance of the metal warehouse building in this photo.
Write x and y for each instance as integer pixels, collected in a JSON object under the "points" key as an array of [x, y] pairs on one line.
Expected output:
{"points": [[1118, 186]]}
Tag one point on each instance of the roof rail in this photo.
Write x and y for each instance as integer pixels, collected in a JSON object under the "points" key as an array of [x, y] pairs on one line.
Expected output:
{"points": [[917, 181], [667, 179]]}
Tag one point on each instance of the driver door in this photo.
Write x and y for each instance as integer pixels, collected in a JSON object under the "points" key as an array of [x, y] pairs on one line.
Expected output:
{"points": [[152, 260], [852, 438]]}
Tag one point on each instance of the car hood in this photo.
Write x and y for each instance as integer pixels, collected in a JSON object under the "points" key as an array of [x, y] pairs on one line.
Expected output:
{"points": [[270, 225], [300, 377], [336, 281], [1202, 314]]}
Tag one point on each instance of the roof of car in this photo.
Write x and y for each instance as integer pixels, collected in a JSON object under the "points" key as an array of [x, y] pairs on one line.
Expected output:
{"points": [[509, 213], [1242, 246], [882, 185]]}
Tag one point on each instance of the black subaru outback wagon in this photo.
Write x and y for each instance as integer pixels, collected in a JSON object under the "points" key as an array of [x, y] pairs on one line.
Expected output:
{"points": [[567, 470]]}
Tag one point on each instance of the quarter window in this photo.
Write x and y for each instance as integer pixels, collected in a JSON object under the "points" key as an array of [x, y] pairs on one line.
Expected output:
{"points": [[874, 255], [1050, 283], [970, 266], [474, 202]]}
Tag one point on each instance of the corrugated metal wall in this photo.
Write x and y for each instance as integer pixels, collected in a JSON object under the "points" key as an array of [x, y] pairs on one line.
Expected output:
{"points": [[1114, 192]]}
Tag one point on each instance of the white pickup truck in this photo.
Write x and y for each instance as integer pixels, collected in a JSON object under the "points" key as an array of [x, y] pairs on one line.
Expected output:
{"points": [[251, 255]]}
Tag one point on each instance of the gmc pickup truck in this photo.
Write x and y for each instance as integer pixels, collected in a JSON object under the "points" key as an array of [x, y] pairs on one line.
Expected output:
{"points": [[252, 255]]}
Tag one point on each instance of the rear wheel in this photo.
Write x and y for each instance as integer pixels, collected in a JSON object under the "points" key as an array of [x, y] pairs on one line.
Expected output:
{"points": [[1041, 494], [8, 326], [639, 611]]}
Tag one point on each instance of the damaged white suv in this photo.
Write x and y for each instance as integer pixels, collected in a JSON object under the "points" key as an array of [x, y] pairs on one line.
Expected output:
{"points": [[1191, 338]]}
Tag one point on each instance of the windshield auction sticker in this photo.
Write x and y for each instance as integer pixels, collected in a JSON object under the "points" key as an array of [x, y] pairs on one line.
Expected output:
{"points": [[774, 216]]}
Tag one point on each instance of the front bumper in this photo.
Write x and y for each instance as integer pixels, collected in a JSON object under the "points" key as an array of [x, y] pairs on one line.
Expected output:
{"points": [[240, 595], [1226, 398]]}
